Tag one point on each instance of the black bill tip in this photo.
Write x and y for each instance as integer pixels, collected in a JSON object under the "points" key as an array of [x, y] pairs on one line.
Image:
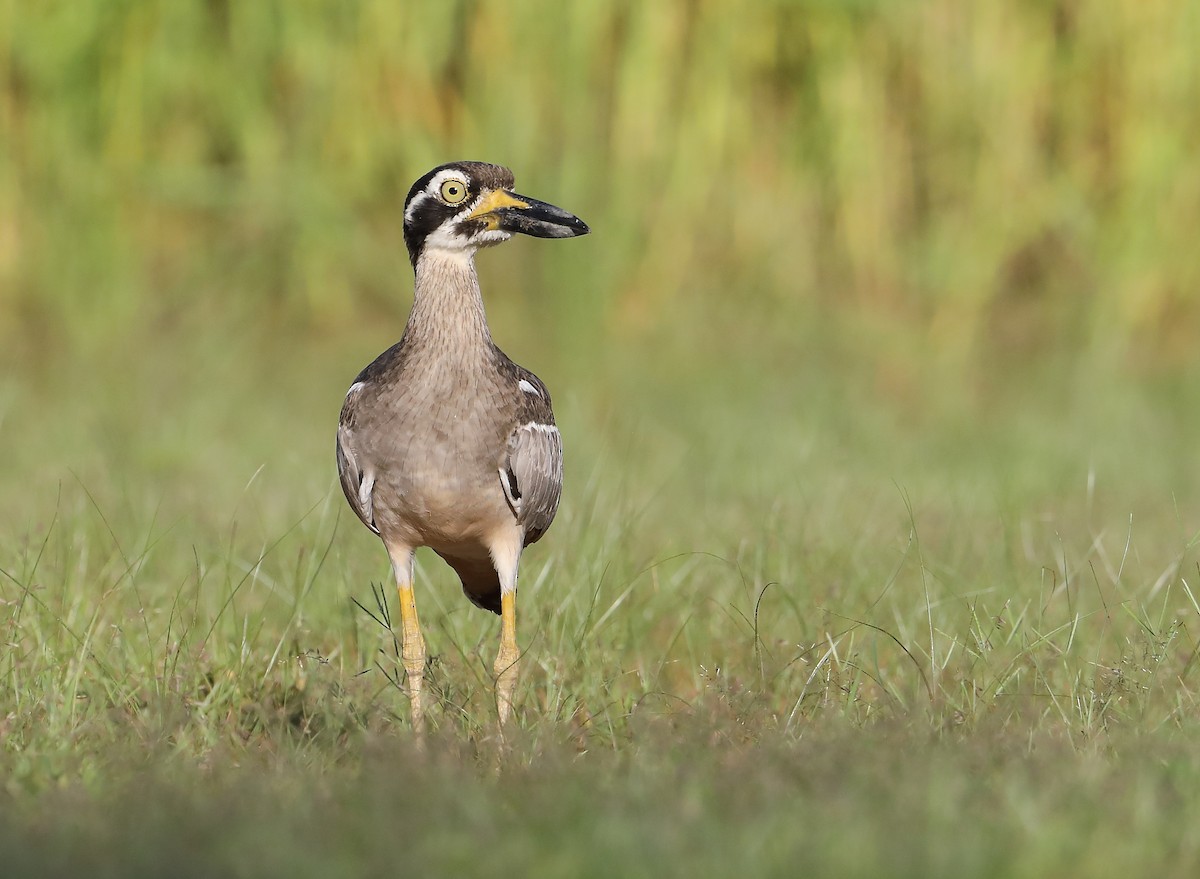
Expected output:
{"points": [[541, 220]]}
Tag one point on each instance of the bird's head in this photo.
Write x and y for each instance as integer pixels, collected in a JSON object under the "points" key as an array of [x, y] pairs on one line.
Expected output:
{"points": [[463, 206]]}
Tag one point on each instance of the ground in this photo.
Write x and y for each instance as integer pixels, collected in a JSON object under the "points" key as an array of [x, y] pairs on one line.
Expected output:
{"points": [[791, 618]]}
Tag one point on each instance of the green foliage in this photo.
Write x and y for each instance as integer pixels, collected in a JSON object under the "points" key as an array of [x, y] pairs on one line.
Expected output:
{"points": [[1010, 175]]}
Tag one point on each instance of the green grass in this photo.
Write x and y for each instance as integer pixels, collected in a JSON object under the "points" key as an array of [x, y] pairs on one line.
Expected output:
{"points": [[877, 377], [786, 619]]}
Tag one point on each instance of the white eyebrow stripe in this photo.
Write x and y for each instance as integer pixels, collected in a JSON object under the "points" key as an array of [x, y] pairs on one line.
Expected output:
{"points": [[528, 387], [419, 199], [442, 176], [433, 186]]}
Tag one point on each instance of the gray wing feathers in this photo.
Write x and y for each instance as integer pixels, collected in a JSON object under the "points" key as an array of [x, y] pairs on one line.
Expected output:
{"points": [[358, 483], [533, 475]]}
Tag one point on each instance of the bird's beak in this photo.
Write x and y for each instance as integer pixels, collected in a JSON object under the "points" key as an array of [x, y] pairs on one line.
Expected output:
{"points": [[510, 212]]}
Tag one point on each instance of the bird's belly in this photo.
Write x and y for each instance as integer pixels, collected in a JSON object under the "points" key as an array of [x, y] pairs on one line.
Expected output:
{"points": [[443, 506]]}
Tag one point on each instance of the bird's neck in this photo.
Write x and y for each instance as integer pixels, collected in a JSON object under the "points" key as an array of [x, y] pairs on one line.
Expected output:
{"points": [[447, 313]]}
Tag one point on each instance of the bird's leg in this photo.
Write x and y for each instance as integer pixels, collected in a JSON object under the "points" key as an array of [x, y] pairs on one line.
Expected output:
{"points": [[412, 641], [506, 556], [413, 649], [506, 659]]}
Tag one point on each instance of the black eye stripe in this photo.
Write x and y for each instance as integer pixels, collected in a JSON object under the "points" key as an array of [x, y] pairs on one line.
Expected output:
{"points": [[426, 210]]}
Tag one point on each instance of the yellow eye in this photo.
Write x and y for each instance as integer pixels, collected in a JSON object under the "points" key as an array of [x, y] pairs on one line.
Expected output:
{"points": [[454, 191]]}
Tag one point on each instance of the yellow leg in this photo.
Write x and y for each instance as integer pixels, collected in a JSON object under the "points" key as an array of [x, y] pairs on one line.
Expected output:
{"points": [[413, 650], [506, 660]]}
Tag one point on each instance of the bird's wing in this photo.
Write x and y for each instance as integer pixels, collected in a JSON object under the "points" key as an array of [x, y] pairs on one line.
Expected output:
{"points": [[532, 476], [358, 482]]}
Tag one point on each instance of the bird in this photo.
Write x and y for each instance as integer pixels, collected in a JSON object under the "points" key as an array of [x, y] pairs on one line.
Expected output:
{"points": [[443, 441]]}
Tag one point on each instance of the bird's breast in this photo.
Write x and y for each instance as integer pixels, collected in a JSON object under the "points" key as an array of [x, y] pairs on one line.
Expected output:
{"points": [[438, 444]]}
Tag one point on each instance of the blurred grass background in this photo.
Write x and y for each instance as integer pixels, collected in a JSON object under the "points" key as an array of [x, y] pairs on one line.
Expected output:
{"points": [[889, 314], [1004, 175]]}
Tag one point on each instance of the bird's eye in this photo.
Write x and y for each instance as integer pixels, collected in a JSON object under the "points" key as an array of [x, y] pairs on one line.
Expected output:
{"points": [[454, 191]]}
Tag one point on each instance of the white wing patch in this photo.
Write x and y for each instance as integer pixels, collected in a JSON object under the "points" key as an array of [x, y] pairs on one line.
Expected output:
{"points": [[358, 480], [511, 492], [528, 387], [365, 498], [358, 483]]}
